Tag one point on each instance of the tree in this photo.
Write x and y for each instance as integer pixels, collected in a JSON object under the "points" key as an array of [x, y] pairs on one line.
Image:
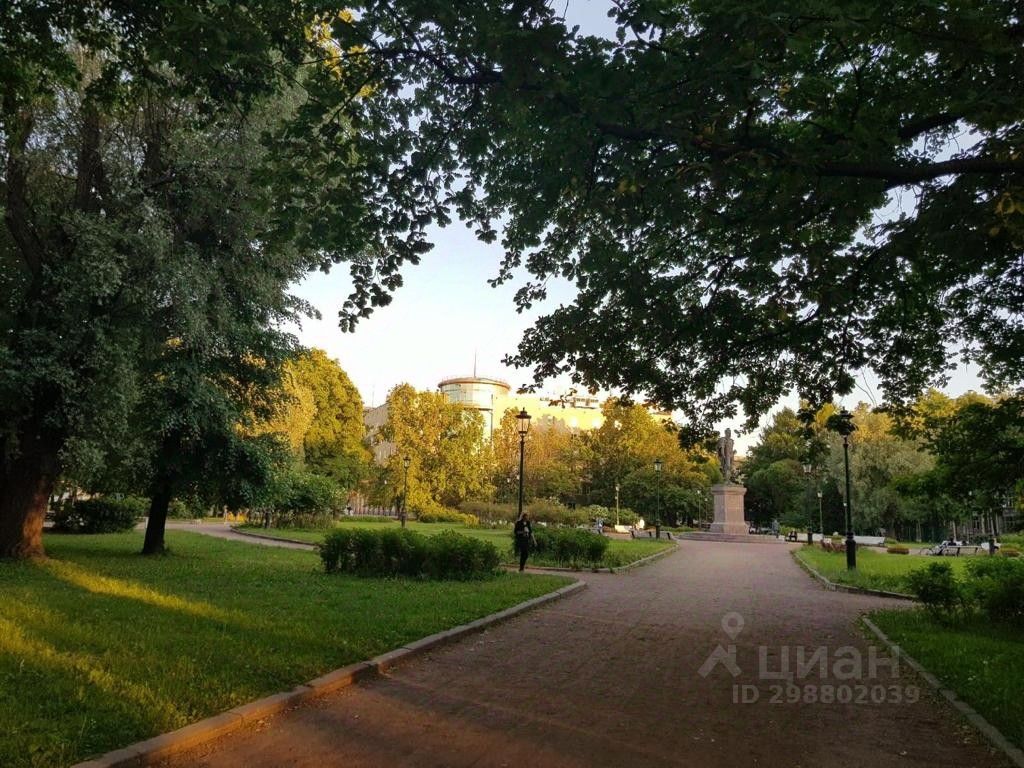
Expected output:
{"points": [[332, 443], [770, 197], [550, 461], [113, 137], [448, 459], [623, 451]]}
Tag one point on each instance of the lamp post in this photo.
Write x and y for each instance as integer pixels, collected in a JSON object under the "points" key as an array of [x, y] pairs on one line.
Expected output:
{"points": [[657, 509], [842, 423], [821, 519], [523, 418], [616, 504], [405, 493], [807, 473]]}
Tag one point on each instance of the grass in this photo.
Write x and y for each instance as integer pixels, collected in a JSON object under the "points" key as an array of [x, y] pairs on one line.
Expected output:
{"points": [[100, 647], [875, 570], [620, 551], [982, 662]]}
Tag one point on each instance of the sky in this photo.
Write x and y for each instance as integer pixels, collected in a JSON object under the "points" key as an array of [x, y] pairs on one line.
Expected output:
{"points": [[446, 318]]}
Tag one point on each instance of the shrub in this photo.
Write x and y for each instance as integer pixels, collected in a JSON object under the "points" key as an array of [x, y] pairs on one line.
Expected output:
{"points": [[1008, 550], [105, 514], [996, 586], [302, 499], [399, 552], [489, 511], [570, 546], [186, 509], [366, 519], [937, 588], [897, 550], [448, 516], [556, 513]]}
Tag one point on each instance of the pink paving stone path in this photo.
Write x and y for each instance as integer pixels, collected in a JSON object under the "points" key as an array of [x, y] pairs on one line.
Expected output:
{"points": [[609, 677]]}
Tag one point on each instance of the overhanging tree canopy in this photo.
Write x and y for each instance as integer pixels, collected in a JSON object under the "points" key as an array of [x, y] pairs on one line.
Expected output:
{"points": [[749, 197]]}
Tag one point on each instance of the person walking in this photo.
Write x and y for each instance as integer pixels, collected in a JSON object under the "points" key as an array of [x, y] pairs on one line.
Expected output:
{"points": [[523, 532]]}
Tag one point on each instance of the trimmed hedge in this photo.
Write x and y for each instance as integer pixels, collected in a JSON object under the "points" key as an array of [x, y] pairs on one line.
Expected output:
{"points": [[570, 546], [101, 515], [395, 552]]}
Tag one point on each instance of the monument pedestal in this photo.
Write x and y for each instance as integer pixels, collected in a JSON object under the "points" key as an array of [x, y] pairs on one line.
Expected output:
{"points": [[729, 509]]}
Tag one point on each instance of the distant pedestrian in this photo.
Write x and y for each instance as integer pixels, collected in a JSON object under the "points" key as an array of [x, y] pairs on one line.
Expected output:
{"points": [[523, 533]]}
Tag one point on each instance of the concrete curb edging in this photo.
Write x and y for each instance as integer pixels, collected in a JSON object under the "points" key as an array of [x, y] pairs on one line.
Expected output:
{"points": [[988, 730], [233, 529], [649, 559], [833, 587], [161, 747]]}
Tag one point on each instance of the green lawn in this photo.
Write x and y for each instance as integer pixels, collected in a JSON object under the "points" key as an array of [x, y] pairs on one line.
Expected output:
{"points": [[620, 551], [983, 663], [875, 570], [100, 647]]}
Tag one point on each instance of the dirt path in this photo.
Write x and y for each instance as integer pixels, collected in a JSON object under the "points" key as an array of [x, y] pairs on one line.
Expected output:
{"points": [[611, 677]]}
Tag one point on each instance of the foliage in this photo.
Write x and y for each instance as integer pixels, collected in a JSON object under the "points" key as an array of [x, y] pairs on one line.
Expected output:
{"points": [[938, 589], [896, 549], [570, 546], [449, 461], [103, 639], [301, 499], [720, 180], [555, 460], [490, 512], [448, 516], [555, 513], [100, 515], [321, 413], [399, 552], [996, 586]]}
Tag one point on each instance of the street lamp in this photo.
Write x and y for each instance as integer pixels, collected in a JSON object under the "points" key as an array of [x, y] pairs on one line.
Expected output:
{"points": [[821, 520], [616, 504], [523, 418], [807, 473], [405, 493], [842, 423], [657, 510]]}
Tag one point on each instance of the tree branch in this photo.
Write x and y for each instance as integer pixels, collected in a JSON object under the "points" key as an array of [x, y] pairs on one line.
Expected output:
{"points": [[896, 175]]}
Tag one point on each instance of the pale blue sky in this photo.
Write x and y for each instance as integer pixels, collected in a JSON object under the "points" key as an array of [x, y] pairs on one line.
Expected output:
{"points": [[446, 313]]}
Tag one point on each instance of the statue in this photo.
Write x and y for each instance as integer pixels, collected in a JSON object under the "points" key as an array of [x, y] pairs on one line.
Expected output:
{"points": [[725, 455]]}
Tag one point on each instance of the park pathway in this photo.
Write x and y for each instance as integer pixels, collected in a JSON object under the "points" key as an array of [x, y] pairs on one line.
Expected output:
{"points": [[224, 531], [611, 677]]}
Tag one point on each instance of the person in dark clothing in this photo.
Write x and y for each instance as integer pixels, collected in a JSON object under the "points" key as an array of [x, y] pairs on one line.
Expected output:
{"points": [[523, 532]]}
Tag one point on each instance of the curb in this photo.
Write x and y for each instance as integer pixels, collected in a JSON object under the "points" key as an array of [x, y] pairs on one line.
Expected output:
{"points": [[161, 747], [307, 544], [833, 587], [649, 559], [988, 730]]}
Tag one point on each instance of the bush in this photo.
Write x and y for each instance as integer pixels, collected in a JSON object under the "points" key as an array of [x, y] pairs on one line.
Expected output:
{"points": [[556, 513], [996, 586], [570, 546], [302, 499], [185, 509], [401, 552], [366, 519], [491, 512], [101, 515], [937, 588], [897, 550], [1008, 550], [449, 516]]}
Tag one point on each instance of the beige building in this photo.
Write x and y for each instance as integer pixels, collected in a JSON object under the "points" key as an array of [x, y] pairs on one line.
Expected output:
{"points": [[491, 398]]}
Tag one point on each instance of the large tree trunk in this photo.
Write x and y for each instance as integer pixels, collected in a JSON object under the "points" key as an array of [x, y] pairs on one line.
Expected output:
{"points": [[159, 501], [27, 479]]}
